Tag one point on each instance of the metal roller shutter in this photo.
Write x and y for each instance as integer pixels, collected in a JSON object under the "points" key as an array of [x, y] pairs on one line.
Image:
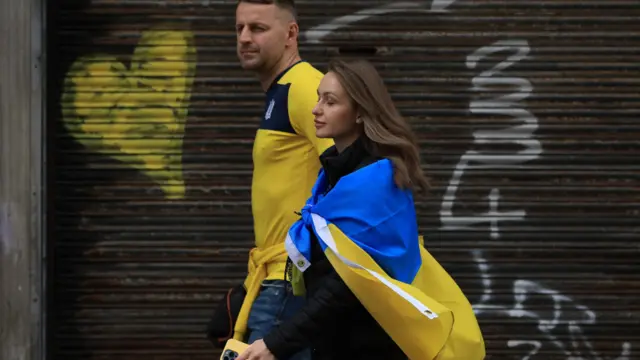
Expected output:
{"points": [[527, 114]]}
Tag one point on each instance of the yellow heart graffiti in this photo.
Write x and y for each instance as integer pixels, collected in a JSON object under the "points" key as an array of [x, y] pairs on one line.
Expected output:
{"points": [[136, 115]]}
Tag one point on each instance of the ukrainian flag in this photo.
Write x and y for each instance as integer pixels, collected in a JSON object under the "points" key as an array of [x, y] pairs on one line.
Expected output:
{"points": [[367, 228]]}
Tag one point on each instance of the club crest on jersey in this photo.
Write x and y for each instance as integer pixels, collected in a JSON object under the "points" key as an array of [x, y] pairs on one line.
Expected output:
{"points": [[267, 115]]}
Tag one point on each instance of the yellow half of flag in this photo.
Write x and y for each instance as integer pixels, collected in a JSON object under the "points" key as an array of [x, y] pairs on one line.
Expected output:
{"points": [[429, 319]]}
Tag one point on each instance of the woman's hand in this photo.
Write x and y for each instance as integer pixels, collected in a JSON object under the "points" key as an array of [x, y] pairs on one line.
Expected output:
{"points": [[257, 351]]}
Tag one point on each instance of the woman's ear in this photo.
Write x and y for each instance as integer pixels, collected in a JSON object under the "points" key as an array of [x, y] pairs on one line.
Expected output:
{"points": [[358, 119]]}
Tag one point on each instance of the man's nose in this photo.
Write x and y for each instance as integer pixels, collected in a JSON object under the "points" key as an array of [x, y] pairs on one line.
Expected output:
{"points": [[244, 36]]}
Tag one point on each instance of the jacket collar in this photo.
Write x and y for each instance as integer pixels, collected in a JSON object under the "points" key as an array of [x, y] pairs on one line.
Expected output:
{"points": [[337, 165]]}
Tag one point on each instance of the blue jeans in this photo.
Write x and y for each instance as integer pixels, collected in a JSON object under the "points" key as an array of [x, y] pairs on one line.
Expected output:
{"points": [[274, 304]]}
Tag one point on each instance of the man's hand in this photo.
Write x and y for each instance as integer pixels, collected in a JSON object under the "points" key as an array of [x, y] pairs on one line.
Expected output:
{"points": [[257, 351]]}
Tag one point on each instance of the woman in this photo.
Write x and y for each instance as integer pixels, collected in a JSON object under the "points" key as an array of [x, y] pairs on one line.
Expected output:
{"points": [[364, 192]]}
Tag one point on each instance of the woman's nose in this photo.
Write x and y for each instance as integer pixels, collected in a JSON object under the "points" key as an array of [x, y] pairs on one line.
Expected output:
{"points": [[316, 109]]}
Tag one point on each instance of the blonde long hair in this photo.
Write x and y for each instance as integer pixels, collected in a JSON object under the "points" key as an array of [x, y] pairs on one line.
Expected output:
{"points": [[387, 133]]}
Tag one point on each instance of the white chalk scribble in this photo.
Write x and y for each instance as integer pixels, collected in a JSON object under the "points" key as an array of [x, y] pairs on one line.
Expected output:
{"points": [[561, 325]]}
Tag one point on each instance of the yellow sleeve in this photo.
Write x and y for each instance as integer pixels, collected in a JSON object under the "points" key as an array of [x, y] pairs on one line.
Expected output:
{"points": [[303, 96]]}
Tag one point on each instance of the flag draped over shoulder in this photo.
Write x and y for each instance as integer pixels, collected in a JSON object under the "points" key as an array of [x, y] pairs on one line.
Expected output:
{"points": [[367, 228]]}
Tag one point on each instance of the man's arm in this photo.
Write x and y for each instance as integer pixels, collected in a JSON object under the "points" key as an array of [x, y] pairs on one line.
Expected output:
{"points": [[303, 97]]}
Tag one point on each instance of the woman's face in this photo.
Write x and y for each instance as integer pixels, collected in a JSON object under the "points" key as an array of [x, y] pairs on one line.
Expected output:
{"points": [[335, 113]]}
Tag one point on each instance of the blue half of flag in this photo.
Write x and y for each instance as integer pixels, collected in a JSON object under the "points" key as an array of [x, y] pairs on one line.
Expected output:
{"points": [[372, 211]]}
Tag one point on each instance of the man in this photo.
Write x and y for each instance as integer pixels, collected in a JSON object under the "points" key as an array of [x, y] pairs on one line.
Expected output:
{"points": [[285, 156]]}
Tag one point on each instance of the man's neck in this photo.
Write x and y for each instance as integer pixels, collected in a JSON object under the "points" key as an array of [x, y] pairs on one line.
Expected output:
{"points": [[267, 78]]}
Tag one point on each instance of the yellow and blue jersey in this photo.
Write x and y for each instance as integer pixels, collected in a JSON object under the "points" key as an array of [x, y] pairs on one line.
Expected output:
{"points": [[286, 164], [285, 159]]}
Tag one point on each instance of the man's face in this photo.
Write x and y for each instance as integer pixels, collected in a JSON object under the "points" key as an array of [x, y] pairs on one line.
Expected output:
{"points": [[262, 33]]}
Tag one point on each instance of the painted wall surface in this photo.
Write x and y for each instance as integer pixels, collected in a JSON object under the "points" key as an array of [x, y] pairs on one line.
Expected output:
{"points": [[527, 114]]}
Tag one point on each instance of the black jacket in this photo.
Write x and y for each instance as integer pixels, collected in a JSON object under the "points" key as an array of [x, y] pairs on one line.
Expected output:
{"points": [[333, 323]]}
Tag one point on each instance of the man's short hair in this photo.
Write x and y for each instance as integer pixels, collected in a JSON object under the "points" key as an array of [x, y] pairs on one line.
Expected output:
{"points": [[282, 4]]}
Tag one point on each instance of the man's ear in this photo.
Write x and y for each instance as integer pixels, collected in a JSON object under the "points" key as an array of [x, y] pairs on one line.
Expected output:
{"points": [[292, 34]]}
